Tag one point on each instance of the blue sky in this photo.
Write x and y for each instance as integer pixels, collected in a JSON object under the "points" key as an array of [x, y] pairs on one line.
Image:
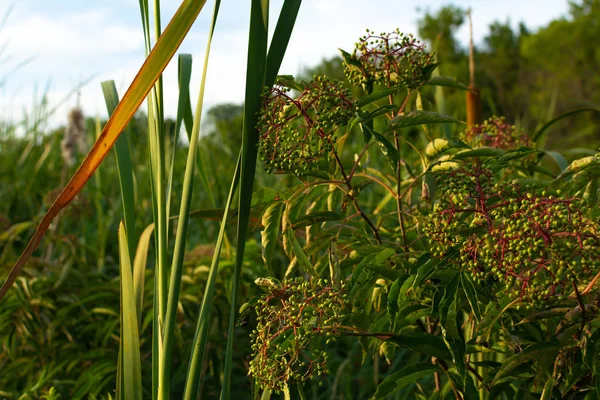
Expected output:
{"points": [[77, 40]]}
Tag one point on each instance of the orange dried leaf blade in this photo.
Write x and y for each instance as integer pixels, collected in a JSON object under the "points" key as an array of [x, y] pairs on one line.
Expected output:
{"points": [[155, 63]]}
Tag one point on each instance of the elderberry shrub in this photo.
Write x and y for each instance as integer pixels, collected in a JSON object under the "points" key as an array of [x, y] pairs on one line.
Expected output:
{"points": [[297, 132], [389, 59], [291, 319], [496, 132], [537, 245]]}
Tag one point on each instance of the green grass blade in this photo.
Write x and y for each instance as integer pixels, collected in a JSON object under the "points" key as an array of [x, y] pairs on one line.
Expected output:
{"points": [[540, 132], [139, 269], [281, 39], [184, 76], [124, 166], [131, 378], [201, 334], [182, 228], [185, 116], [256, 78]]}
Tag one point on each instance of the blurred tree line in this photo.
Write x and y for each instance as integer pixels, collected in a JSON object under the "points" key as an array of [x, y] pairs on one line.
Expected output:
{"points": [[528, 77]]}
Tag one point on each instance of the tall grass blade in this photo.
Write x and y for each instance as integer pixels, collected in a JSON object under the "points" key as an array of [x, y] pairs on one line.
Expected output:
{"points": [[154, 65], [256, 78], [281, 39], [130, 366], [184, 68], [185, 116], [139, 269], [201, 335], [182, 227], [124, 166]]}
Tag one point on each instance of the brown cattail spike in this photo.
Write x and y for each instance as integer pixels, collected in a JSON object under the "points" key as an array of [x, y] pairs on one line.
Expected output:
{"points": [[473, 95], [73, 142]]}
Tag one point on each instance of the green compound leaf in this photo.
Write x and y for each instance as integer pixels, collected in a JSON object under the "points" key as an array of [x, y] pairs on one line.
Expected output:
{"points": [[402, 378]]}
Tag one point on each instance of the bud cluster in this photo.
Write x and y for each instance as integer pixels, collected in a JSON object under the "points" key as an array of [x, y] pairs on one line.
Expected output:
{"points": [[495, 132], [538, 245], [295, 133], [390, 59], [290, 319]]}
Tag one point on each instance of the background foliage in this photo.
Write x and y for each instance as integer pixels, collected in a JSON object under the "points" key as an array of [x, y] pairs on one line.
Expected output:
{"points": [[59, 325]]}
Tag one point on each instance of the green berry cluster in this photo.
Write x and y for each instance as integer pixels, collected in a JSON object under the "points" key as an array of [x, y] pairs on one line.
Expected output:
{"points": [[295, 133], [495, 132], [389, 59], [537, 245], [291, 318]]}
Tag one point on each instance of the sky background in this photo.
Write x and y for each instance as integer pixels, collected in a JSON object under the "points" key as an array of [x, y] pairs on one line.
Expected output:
{"points": [[73, 41]]}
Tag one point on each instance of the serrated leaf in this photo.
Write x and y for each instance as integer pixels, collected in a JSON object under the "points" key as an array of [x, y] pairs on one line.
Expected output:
{"points": [[423, 343], [532, 352], [450, 330], [384, 256], [352, 123], [349, 59], [435, 147], [386, 147], [590, 194], [471, 294], [381, 110], [403, 378], [300, 255], [359, 269], [446, 81], [268, 282], [583, 163], [264, 195], [334, 263], [315, 217], [246, 309], [429, 265], [479, 152], [288, 81], [271, 221], [519, 153], [417, 117], [392, 301], [376, 95], [387, 272], [465, 385]]}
